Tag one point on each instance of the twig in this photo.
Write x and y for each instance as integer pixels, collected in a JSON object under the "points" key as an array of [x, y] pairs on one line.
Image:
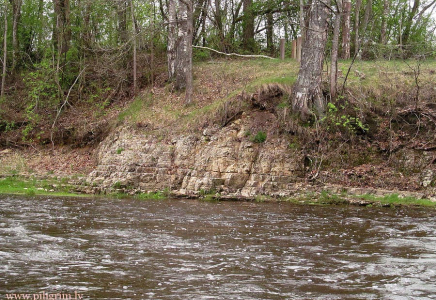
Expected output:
{"points": [[349, 69]]}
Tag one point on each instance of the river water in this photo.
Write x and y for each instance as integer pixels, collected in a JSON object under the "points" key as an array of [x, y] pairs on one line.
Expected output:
{"points": [[188, 249]]}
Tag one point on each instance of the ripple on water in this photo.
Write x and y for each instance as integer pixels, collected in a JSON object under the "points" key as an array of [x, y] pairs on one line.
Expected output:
{"points": [[112, 249]]}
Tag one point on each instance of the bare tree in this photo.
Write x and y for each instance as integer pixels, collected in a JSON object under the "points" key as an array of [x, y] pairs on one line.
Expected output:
{"points": [[307, 97]]}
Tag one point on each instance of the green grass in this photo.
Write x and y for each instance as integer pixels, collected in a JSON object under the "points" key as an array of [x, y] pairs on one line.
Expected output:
{"points": [[329, 198], [141, 103], [395, 199], [31, 187], [160, 195]]}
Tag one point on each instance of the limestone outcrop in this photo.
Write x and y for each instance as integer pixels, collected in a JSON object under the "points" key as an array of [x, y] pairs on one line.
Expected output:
{"points": [[223, 160]]}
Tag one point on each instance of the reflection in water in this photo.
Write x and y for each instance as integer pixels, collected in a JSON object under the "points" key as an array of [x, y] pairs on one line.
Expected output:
{"points": [[177, 249]]}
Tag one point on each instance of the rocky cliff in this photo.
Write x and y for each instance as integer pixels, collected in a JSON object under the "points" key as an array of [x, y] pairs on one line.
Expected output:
{"points": [[228, 161], [223, 160]]}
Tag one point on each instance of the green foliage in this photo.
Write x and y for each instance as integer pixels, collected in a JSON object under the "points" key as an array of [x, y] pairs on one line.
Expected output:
{"points": [[120, 150], [42, 96], [259, 138], [339, 118], [117, 185]]}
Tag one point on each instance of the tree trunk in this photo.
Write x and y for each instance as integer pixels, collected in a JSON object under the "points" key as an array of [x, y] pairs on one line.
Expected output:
{"points": [[189, 38], [181, 47], [301, 19], [172, 38], [132, 8], [368, 11], [122, 21], [270, 33], [62, 29], [200, 15], [346, 29], [307, 95], [409, 22], [5, 50], [16, 11], [356, 27], [335, 50], [248, 42], [384, 25], [218, 22]]}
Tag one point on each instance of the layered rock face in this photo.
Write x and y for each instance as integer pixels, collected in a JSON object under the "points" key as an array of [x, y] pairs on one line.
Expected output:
{"points": [[222, 160], [227, 161]]}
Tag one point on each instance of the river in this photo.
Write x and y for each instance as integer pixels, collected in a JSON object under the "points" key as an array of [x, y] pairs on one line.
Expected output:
{"points": [[188, 249]]}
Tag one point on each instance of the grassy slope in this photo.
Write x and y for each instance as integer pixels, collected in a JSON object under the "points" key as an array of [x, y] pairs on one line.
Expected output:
{"points": [[216, 82]]}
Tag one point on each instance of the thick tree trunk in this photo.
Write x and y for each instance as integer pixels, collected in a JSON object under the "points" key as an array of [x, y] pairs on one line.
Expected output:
{"points": [[5, 49], [307, 97], [346, 29], [384, 25], [248, 42], [356, 27], [335, 50]]}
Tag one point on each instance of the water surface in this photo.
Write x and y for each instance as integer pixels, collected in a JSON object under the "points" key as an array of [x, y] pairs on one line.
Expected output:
{"points": [[187, 249]]}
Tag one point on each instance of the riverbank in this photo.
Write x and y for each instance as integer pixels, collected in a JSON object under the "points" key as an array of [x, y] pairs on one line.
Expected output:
{"points": [[240, 140], [310, 195]]}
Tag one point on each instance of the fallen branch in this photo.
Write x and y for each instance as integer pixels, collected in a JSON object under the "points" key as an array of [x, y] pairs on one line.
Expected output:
{"points": [[234, 54]]}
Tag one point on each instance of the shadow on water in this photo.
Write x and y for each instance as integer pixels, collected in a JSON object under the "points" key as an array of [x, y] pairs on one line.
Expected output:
{"points": [[187, 249]]}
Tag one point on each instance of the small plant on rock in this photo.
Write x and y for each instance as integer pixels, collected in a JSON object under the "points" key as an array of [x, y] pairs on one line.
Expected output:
{"points": [[260, 137]]}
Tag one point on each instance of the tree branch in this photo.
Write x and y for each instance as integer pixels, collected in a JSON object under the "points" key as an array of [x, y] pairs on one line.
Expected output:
{"points": [[233, 54]]}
